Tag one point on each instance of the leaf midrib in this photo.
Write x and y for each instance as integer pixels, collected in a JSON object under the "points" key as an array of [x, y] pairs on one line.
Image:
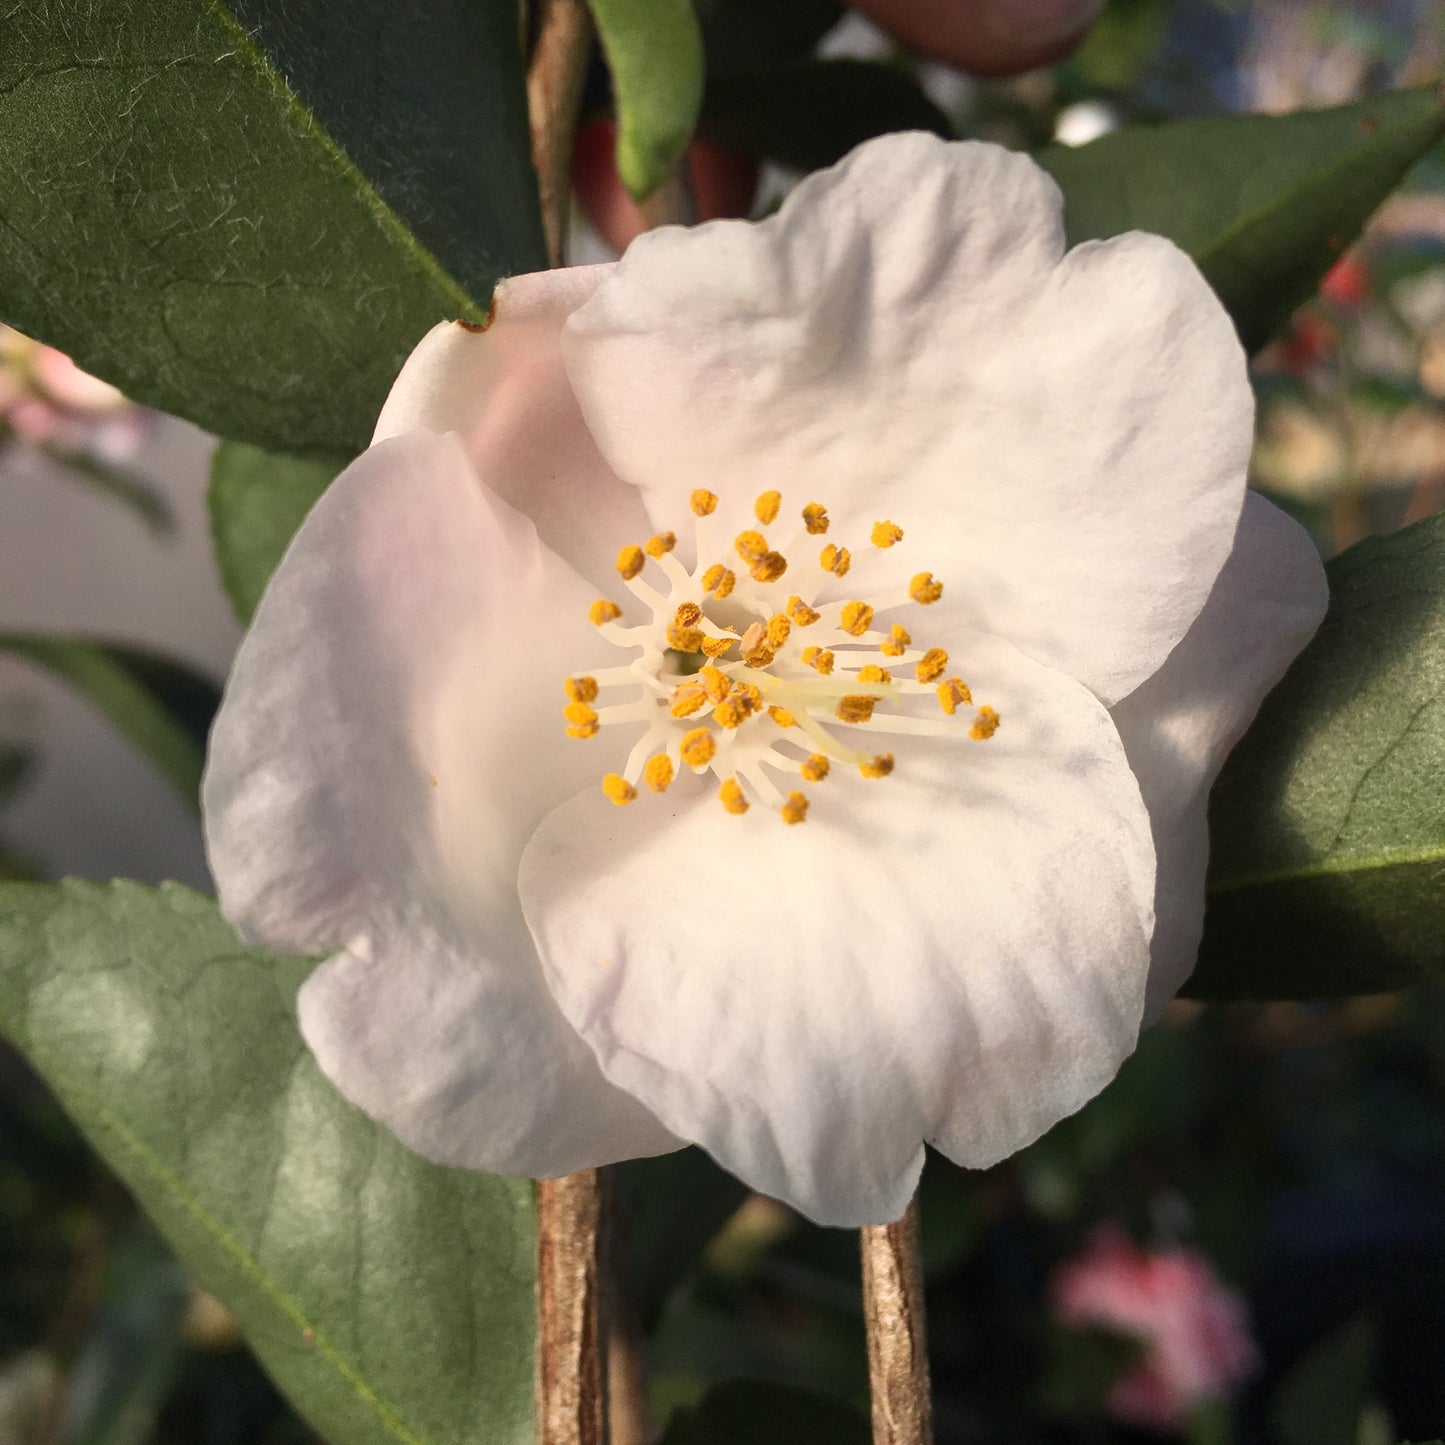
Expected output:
{"points": [[1332, 868]]}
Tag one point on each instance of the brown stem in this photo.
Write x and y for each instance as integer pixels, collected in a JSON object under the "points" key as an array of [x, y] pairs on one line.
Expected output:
{"points": [[571, 1375], [897, 1337], [554, 93]]}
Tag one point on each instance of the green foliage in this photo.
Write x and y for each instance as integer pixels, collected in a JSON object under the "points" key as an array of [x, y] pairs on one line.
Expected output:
{"points": [[763, 1412], [163, 708], [249, 216], [392, 1299], [1264, 204], [1320, 1400], [1328, 822], [257, 500], [654, 51], [744, 34]]}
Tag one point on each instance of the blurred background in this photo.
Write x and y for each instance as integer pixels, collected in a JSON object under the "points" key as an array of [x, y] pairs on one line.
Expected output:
{"points": [[1242, 1240]]}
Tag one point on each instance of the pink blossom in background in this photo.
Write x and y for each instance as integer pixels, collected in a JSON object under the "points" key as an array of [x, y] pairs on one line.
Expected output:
{"points": [[1195, 1330]]}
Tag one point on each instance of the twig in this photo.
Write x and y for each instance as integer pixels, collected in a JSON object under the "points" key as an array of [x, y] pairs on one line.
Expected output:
{"points": [[554, 93], [897, 1337]]}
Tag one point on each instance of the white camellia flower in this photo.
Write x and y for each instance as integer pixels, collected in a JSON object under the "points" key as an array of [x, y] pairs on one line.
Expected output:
{"points": [[764, 692]]}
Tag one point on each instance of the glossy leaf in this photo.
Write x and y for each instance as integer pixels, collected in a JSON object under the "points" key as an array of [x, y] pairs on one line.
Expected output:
{"points": [[654, 51], [249, 215], [391, 1299], [1265, 204], [257, 500], [764, 1412], [1328, 822]]}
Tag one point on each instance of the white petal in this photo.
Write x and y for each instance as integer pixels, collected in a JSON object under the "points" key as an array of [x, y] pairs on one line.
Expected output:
{"points": [[1069, 437], [390, 734], [1180, 724], [955, 954], [504, 391]]}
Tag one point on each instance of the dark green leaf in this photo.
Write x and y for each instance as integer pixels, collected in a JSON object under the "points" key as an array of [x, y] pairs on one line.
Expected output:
{"points": [[257, 500], [248, 216], [137, 493], [743, 34], [1083, 1364], [391, 1299], [1319, 1401], [162, 707], [762, 1412], [654, 51], [1265, 204], [1328, 822], [813, 113]]}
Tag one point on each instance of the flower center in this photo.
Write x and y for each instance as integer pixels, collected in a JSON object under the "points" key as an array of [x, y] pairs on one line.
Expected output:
{"points": [[739, 673]]}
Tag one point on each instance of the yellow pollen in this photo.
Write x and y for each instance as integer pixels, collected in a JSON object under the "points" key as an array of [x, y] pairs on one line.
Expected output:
{"points": [[715, 646], [730, 795], [581, 720], [714, 683], [630, 561], [836, 560], [885, 534], [769, 567], [689, 614], [687, 699], [732, 713], [801, 614], [857, 707], [923, 589], [898, 642], [662, 542], [985, 725], [857, 616], [815, 769], [713, 576], [871, 672], [603, 611], [657, 774], [878, 767], [795, 809], [703, 502], [755, 649], [765, 509], [752, 699], [751, 545], [581, 689], [815, 518], [697, 747], [953, 692], [931, 664], [725, 584], [819, 658], [618, 789], [778, 629], [684, 639], [782, 717]]}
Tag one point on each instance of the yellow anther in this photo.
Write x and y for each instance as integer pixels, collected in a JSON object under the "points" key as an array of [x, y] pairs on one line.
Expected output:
{"points": [[819, 658], [755, 649], [871, 672], [751, 697], [857, 617], [985, 725], [795, 809], [732, 713], [662, 542], [603, 611], [751, 545], [715, 683], [857, 707], [952, 693], [725, 584], [730, 795], [778, 630], [685, 639], [836, 560], [931, 664], [689, 614], [782, 717], [630, 561], [885, 534], [697, 747], [815, 518], [657, 773], [687, 699], [618, 789], [897, 643], [581, 689], [923, 589], [815, 768], [703, 502], [581, 720], [801, 614], [878, 767], [769, 567], [715, 646], [713, 576], [765, 509]]}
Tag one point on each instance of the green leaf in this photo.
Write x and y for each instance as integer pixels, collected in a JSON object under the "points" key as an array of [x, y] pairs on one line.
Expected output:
{"points": [[743, 34], [137, 493], [812, 113], [257, 500], [1328, 822], [390, 1298], [1319, 1401], [763, 1412], [654, 51], [249, 215], [162, 707], [1265, 204]]}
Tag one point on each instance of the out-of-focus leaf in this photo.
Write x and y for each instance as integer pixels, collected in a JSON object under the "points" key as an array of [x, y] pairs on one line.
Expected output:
{"points": [[1319, 1401], [654, 51], [390, 1298], [161, 706], [248, 213], [813, 113], [743, 34], [1265, 204], [1123, 41], [137, 494], [1328, 822], [763, 1412], [1083, 1364], [257, 500]]}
